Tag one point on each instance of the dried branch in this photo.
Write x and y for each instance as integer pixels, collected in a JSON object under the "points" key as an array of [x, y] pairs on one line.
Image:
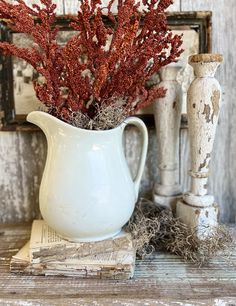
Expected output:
{"points": [[103, 62]]}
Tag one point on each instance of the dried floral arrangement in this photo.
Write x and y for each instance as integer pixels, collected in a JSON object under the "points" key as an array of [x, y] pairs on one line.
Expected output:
{"points": [[156, 229], [104, 66]]}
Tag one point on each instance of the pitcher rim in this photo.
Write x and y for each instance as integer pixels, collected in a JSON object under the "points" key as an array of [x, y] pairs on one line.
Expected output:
{"points": [[120, 126]]}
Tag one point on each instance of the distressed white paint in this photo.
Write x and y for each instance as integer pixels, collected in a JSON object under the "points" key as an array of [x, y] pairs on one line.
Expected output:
{"points": [[223, 166], [59, 3], [118, 301], [197, 209], [22, 158], [175, 6], [71, 6], [167, 113], [160, 279], [185, 75]]}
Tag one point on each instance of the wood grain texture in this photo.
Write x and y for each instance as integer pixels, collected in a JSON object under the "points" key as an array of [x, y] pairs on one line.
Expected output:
{"points": [[71, 6], [175, 6], [116, 301], [132, 152], [163, 279], [223, 167], [22, 155], [59, 3], [22, 158]]}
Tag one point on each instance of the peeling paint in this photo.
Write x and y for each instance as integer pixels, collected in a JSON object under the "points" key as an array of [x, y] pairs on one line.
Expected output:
{"points": [[203, 105], [215, 99], [205, 164], [167, 113], [207, 113]]}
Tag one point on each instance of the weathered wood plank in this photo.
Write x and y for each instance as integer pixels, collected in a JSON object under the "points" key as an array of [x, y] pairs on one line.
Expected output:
{"points": [[132, 152], [19, 193], [108, 301], [22, 158], [161, 280], [71, 7], [223, 168], [59, 4], [35, 287], [175, 6]]}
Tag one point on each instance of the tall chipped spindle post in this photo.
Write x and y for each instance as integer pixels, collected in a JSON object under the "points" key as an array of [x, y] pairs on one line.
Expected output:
{"points": [[167, 113], [198, 209]]}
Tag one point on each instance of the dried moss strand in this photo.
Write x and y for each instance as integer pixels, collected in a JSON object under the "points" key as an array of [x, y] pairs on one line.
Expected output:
{"points": [[154, 228]]}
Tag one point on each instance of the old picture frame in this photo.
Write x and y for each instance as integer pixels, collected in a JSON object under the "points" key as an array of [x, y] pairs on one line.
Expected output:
{"points": [[17, 96]]}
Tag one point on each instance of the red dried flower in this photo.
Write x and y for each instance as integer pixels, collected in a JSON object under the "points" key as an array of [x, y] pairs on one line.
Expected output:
{"points": [[110, 58]]}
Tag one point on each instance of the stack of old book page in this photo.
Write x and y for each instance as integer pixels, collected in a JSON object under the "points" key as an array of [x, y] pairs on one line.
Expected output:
{"points": [[48, 254]]}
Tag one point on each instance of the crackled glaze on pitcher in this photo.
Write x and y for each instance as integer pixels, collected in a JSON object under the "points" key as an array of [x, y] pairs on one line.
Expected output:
{"points": [[87, 193]]}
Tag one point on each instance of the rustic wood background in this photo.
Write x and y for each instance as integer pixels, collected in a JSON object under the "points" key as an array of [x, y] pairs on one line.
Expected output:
{"points": [[162, 280], [22, 155]]}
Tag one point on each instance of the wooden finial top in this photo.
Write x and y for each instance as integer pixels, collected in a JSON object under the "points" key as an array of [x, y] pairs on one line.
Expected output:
{"points": [[205, 58]]}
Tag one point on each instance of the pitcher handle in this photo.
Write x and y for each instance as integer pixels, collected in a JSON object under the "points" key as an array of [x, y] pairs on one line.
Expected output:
{"points": [[142, 127]]}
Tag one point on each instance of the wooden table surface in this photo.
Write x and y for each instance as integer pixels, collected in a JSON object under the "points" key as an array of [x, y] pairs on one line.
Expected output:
{"points": [[162, 279]]}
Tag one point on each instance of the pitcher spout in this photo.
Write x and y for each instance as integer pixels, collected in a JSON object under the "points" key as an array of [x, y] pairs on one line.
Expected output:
{"points": [[46, 122]]}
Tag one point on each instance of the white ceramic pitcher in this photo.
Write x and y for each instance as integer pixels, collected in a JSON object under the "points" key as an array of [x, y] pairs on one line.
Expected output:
{"points": [[87, 193]]}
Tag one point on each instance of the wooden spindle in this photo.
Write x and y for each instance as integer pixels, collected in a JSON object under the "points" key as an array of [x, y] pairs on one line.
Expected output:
{"points": [[167, 112], [198, 209]]}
